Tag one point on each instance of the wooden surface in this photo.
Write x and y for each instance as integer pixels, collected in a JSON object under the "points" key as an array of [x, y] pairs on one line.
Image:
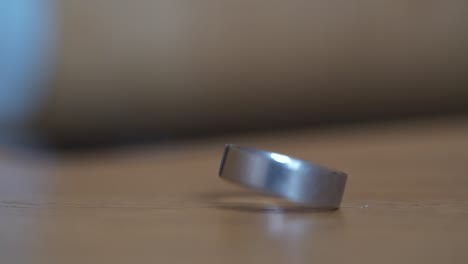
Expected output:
{"points": [[406, 202]]}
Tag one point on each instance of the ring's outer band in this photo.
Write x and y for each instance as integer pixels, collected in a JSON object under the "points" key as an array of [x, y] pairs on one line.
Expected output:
{"points": [[294, 179]]}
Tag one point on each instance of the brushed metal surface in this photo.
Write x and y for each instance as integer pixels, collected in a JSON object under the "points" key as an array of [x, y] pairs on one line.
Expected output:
{"points": [[280, 175]]}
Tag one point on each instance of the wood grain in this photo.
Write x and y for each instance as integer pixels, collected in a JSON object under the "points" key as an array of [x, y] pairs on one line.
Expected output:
{"points": [[406, 202]]}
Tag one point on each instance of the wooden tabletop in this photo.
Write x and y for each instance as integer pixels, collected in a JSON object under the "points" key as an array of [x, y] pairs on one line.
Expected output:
{"points": [[406, 202]]}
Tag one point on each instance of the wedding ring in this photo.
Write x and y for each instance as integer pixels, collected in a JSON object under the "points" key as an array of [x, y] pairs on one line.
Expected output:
{"points": [[284, 176]]}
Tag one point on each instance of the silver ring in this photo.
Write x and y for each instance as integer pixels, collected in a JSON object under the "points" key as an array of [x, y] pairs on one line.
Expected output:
{"points": [[280, 175]]}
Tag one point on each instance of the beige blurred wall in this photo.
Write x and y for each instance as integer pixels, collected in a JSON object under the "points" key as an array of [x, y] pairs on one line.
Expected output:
{"points": [[184, 65]]}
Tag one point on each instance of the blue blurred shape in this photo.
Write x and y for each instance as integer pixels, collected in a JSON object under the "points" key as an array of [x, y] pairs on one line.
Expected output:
{"points": [[26, 46]]}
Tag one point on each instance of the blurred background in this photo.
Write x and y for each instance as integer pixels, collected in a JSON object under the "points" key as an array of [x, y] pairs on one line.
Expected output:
{"points": [[89, 72], [114, 115]]}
